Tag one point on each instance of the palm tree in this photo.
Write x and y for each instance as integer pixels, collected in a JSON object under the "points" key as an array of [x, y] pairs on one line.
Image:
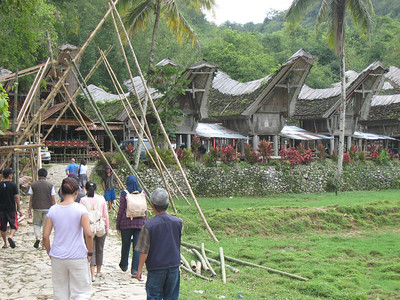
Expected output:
{"points": [[334, 12], [137, 13]]}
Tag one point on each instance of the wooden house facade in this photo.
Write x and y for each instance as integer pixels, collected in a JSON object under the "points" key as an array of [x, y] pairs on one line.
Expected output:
{"points": [[261, 108], [317, 110]]}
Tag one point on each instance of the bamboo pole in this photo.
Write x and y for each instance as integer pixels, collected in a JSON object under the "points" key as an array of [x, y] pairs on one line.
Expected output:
{"points": [[163, 130], [198, 267], [185, 262], [202, 260], [222, 258], [203, 253], [245, 263], [218, 263], [105, 126], [21, 146], [114, 79], [193, 273], [118, 87], [193, 265]]}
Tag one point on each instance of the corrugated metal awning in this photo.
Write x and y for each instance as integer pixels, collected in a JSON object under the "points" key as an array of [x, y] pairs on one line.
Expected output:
{"points": [[217, 131], [296, 133], [371, 136]]}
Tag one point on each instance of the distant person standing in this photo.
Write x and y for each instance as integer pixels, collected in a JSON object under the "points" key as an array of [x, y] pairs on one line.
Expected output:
{"points": [[9, 206], [159, 246], [72, 167], [108, 183], [42, 197], [82, 174]]}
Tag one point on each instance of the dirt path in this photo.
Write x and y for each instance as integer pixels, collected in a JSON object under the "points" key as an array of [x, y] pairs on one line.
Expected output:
{"points": [[26, 271]]}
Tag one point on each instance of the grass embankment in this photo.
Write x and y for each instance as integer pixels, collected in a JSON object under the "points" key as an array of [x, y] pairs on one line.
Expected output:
{"points": [[347, 245]]}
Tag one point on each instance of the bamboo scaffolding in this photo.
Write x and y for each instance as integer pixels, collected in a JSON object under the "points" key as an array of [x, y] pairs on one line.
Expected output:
{"points": [[242, 262], [60, 82], [163, 129], [118, 87], [88, 76]]}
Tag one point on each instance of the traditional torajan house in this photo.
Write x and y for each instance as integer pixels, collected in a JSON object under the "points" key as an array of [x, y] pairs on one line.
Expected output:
{"points": [[260, 108], [384, 115], [318, 109]]}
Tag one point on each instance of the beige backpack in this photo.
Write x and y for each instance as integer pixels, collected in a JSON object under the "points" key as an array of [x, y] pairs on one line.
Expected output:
{"points": [[136, 205]]}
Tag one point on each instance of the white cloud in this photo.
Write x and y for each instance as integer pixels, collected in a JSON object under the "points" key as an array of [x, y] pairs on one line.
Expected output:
{"points": [[244, 11]]}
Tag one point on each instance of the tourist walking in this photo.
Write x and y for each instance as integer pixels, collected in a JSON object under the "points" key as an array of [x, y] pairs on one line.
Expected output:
{"points": [[128, 228], [99, 222], [108, 183], [69, 255], [159, 246], [72, 167], [9, 206], [82, 174], [42, 197]]}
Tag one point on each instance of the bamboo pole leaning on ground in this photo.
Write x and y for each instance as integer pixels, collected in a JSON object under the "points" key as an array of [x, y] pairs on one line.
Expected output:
{"points": [[218, 263], [203, 253], [202, 260], [198, 267], [185, 262], [194, 273], [245, 263], [193, 265], [222, 258]]}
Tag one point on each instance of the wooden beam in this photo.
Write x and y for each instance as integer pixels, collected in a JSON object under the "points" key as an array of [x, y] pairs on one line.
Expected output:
{"points": [[21, 146]]}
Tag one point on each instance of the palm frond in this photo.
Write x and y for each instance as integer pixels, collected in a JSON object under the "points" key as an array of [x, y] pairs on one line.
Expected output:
{"points": [[298, 10], [361, 12], [137, 17], [178, 23]]}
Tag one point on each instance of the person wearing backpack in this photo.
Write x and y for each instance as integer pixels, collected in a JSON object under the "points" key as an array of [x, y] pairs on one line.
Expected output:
{"points": [[99, 222], [129, 228]]}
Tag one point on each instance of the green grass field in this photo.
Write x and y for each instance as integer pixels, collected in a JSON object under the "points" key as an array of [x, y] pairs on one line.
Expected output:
{"points": [[347, 245]]}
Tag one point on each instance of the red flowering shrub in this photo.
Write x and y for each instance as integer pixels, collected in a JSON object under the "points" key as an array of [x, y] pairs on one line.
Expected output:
{"points": [[346, 158], [265, 149], [250, 156], [196, 143], [353, 152], [228, 154], [297, 156], [214, 152]]}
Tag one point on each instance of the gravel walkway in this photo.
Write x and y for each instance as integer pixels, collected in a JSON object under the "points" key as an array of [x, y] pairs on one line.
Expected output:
{"points": [[26, 271]]}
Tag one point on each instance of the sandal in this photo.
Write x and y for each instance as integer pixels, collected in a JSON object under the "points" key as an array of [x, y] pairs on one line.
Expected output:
{"points": [[11, 242], [4, 247]]}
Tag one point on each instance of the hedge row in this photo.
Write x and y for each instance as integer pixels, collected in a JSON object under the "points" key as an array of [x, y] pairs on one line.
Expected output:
{"points": [[239, 180]]}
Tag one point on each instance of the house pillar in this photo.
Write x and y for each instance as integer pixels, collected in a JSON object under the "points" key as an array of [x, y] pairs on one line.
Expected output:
{"points": [[241, 147], [348, 142], [189, 141], [331, 146], [276, 146], [179, 142], [256, 141]]}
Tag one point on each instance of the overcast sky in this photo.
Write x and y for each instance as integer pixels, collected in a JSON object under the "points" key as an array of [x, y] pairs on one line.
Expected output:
{"points": [[244, 11]]}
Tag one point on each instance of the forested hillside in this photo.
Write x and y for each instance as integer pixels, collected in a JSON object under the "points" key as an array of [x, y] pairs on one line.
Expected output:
{"points": [[246, 52]]}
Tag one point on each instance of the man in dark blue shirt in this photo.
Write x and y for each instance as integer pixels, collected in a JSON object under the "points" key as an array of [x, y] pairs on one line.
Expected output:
{"points": [[9, 206], [159, 246]]}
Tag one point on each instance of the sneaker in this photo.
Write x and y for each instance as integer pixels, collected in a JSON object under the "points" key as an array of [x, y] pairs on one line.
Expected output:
{"points": [[36, 245], [11, 242]]}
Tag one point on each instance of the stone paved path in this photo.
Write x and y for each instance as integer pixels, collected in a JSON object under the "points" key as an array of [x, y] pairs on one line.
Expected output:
{"points": [[25, 272]]}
